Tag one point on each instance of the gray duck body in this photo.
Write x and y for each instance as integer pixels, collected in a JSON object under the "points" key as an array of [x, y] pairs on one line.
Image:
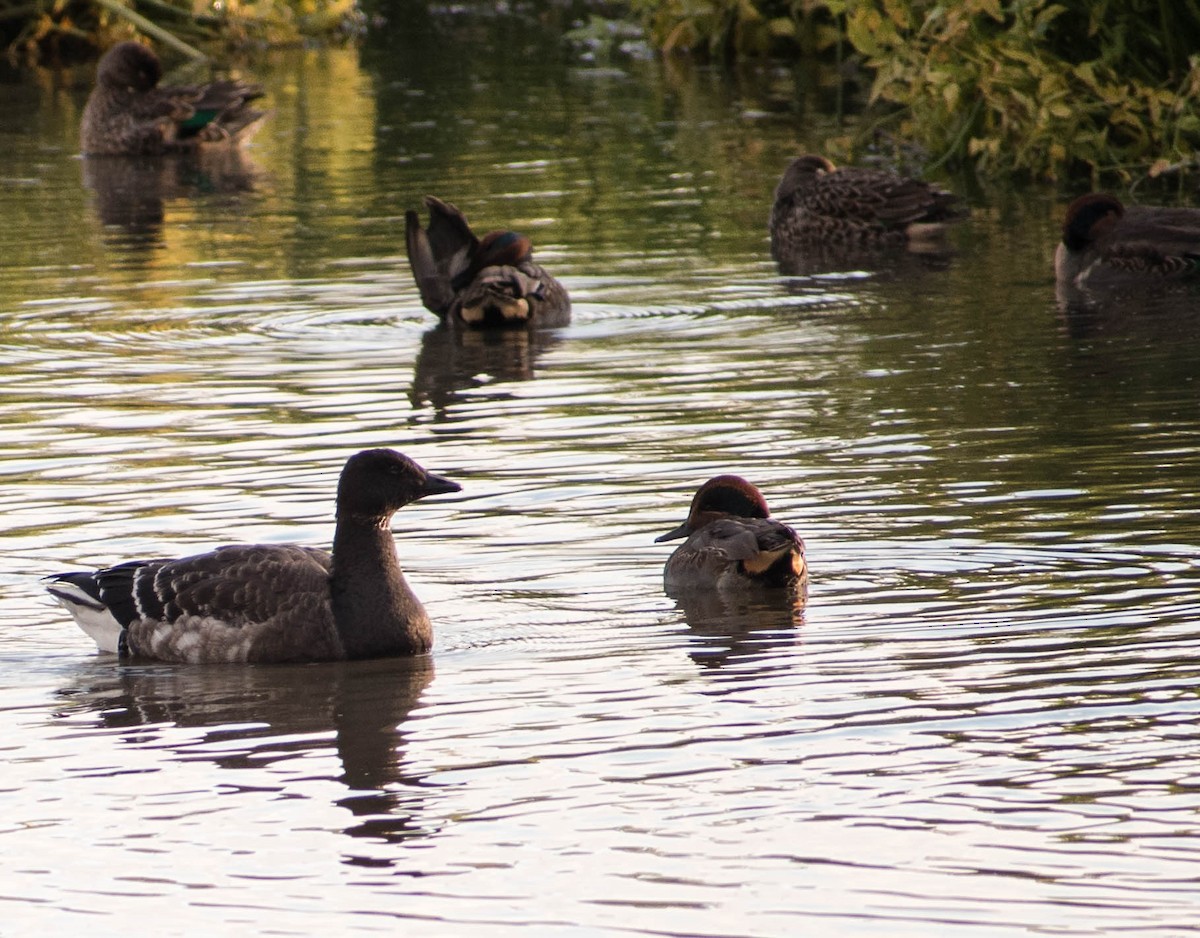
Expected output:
{"points": [[733, 543]]}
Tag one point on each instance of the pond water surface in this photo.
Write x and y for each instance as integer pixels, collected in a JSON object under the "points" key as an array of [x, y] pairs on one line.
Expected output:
{"points": [[983, 723]]}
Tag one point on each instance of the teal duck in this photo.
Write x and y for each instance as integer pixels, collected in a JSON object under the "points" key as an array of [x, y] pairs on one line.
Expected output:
{"points": [[271, 603], [733, 542], [818, 204], [482, 282], [129, 114], [1105, 243]]}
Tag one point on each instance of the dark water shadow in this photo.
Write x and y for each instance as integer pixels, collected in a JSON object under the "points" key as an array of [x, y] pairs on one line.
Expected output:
{"points": [[252, 717], [1142, 345], [131, 194], [1154, 312], [482, 361], [914, 260], [747, 629]]}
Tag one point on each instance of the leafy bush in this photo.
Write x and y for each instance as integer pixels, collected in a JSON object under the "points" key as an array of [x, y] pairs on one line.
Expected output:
{"points": [[1028, 87], [64, 30], [722, 29], [1036, 87]]}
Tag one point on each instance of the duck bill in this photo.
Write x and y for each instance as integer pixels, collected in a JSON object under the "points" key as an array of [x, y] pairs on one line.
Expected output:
{"points": [[682, 531], [436, 485]]}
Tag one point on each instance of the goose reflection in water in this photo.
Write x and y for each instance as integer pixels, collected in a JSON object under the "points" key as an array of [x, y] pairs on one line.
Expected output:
{"points": [[131, 193], [258, 716], [453, 360]]}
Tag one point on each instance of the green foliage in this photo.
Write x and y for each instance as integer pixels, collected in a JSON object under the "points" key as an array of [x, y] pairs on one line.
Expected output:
{"points": [[1011, 87], [38, 30], [723, 29], [1036, 87]]}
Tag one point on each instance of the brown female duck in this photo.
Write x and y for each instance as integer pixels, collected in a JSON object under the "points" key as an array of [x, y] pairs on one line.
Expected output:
{"points": [[271, 602], [485, 282], [733, 543], [816, 203], [129, 114], [1105, 243]]}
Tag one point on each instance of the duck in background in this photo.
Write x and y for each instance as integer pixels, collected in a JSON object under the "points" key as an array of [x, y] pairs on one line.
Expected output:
{"points": [[129, 114], [483, 282], [263, 603], [820, 208], [733, 542], [1107, 245]]}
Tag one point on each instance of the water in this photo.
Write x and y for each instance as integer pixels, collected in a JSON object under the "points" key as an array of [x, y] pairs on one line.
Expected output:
{"points": [[983, 723]]}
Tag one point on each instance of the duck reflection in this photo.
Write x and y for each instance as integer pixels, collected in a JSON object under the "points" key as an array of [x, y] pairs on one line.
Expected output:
{"points": [[130, 192], [1163, 315], [253, 717], [453, 360], [908, 260], [740, 628]]}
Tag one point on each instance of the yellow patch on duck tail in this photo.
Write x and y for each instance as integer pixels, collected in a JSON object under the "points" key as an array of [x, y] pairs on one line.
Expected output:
{"points": [[761, 562], [512, 309]]}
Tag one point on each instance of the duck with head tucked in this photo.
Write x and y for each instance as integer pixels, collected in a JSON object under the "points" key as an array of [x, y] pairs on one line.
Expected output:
{"points": [[130, 114], [733, 542], [1109, 245], [485, 282], [820, 205], [262, 603]]}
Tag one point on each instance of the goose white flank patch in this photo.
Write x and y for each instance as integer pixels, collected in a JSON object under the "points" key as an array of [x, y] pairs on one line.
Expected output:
{"points": [[271, 603]]}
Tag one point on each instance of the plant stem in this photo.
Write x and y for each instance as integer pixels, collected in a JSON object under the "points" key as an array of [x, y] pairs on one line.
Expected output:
{"points": [[153, 29]]}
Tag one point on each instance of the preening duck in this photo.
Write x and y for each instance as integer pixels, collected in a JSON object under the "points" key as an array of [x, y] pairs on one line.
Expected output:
{"points": [[485, 282], [130, 114]]}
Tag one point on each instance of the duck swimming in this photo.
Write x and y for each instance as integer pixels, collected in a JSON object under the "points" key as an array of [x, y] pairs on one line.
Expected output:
{"points": [[819, 204], [1107, 244], [483, 282], [266, 602], [129, 114], [733, 543]]}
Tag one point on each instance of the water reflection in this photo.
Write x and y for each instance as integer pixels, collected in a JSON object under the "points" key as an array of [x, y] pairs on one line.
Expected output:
{"points": [[1159, 310], [915, 258], [743, 628], [1125, 341], [255, 717], [453, 360], [130, 194]]}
